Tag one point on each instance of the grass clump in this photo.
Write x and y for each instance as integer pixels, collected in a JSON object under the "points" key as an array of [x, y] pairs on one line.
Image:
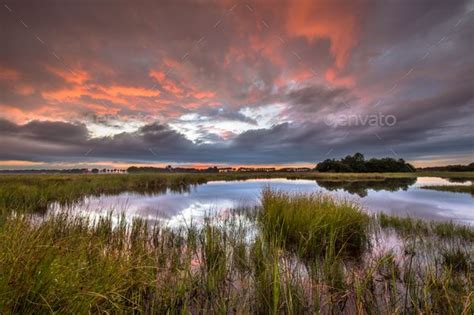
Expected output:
{"points": [[402, 224], [450, 229], [456, 260], [315, 224]]}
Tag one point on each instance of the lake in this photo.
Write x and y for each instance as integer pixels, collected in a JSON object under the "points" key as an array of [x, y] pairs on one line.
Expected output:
{"points": [[396, 196]]}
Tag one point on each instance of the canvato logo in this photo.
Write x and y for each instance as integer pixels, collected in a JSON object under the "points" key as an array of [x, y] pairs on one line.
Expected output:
{"points": [[372, 120]]}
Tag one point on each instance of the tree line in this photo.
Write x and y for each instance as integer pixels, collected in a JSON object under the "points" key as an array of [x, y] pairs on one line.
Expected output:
{"points": [[358, 164]]}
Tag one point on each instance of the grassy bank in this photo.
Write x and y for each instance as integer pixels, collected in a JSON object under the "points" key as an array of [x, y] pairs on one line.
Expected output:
{"points": [[297, 254], [32, 193], [467, 189]]}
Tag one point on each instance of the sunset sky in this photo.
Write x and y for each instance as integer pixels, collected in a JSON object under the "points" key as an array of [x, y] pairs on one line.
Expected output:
{"points": [[118, 83]]}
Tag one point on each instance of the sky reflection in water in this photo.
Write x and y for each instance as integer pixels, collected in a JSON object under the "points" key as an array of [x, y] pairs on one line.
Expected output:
{"points": [[393, 197]]}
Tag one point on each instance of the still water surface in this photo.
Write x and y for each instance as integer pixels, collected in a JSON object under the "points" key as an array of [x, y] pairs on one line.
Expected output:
{"points": [[392, 196]]}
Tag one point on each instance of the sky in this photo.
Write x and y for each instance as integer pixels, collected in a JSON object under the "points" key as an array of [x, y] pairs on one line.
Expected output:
{"points": [[196, 83]]}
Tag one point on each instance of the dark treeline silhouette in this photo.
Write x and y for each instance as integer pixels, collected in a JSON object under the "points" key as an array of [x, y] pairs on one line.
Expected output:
{"points": [[361, 187], [449, 168], [358, 164]]}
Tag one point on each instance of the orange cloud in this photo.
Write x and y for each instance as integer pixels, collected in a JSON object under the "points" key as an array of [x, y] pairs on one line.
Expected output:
{"points": [[73, 76], [114, 94], [44, 112], [17, 163], [130, 91], [299, 75], [214, 104], [13, 77], [334, 20], [166, 84], [9, 74], [331, 76], [192, 105], [12, 113], [159, 76], [62, 95], [103, 110], [269, 47], [185, 90], [203, 94], [24, 89], [233, 54], [171, 63]]}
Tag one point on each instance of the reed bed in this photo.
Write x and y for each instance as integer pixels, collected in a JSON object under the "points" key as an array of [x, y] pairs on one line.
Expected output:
{"points": [[295, 254]]}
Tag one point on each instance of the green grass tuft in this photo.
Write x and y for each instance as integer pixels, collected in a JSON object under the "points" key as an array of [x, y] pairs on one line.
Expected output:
{"points": [[314, 225], [456, 260]]}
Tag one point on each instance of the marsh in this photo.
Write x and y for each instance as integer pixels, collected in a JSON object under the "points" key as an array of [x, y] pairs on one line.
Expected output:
{"points": [[394, 196]]}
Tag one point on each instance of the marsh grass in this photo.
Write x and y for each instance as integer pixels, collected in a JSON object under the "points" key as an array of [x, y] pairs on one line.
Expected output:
{"points": [[241, 263], [27, 193], [456, 260], [315, 224]]}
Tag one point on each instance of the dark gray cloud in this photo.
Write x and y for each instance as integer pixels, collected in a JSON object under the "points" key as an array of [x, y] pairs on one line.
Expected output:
{"points": [[283, 143]]}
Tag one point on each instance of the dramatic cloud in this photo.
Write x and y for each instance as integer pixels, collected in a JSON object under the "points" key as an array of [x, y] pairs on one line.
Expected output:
{"points": [[242, 83]]}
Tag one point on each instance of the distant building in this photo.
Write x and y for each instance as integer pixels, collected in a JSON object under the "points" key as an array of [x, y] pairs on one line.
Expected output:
{"points": [[266, 169], [262, 169], [295, 169], [226, 169]]}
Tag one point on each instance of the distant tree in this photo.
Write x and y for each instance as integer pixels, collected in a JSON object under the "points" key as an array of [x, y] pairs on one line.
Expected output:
{"points": [[355, 162], [358, 164], [212, 170], [95, 170]]}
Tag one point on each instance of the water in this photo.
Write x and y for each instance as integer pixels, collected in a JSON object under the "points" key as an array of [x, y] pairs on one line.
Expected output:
{"points": [[392, 196]]}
